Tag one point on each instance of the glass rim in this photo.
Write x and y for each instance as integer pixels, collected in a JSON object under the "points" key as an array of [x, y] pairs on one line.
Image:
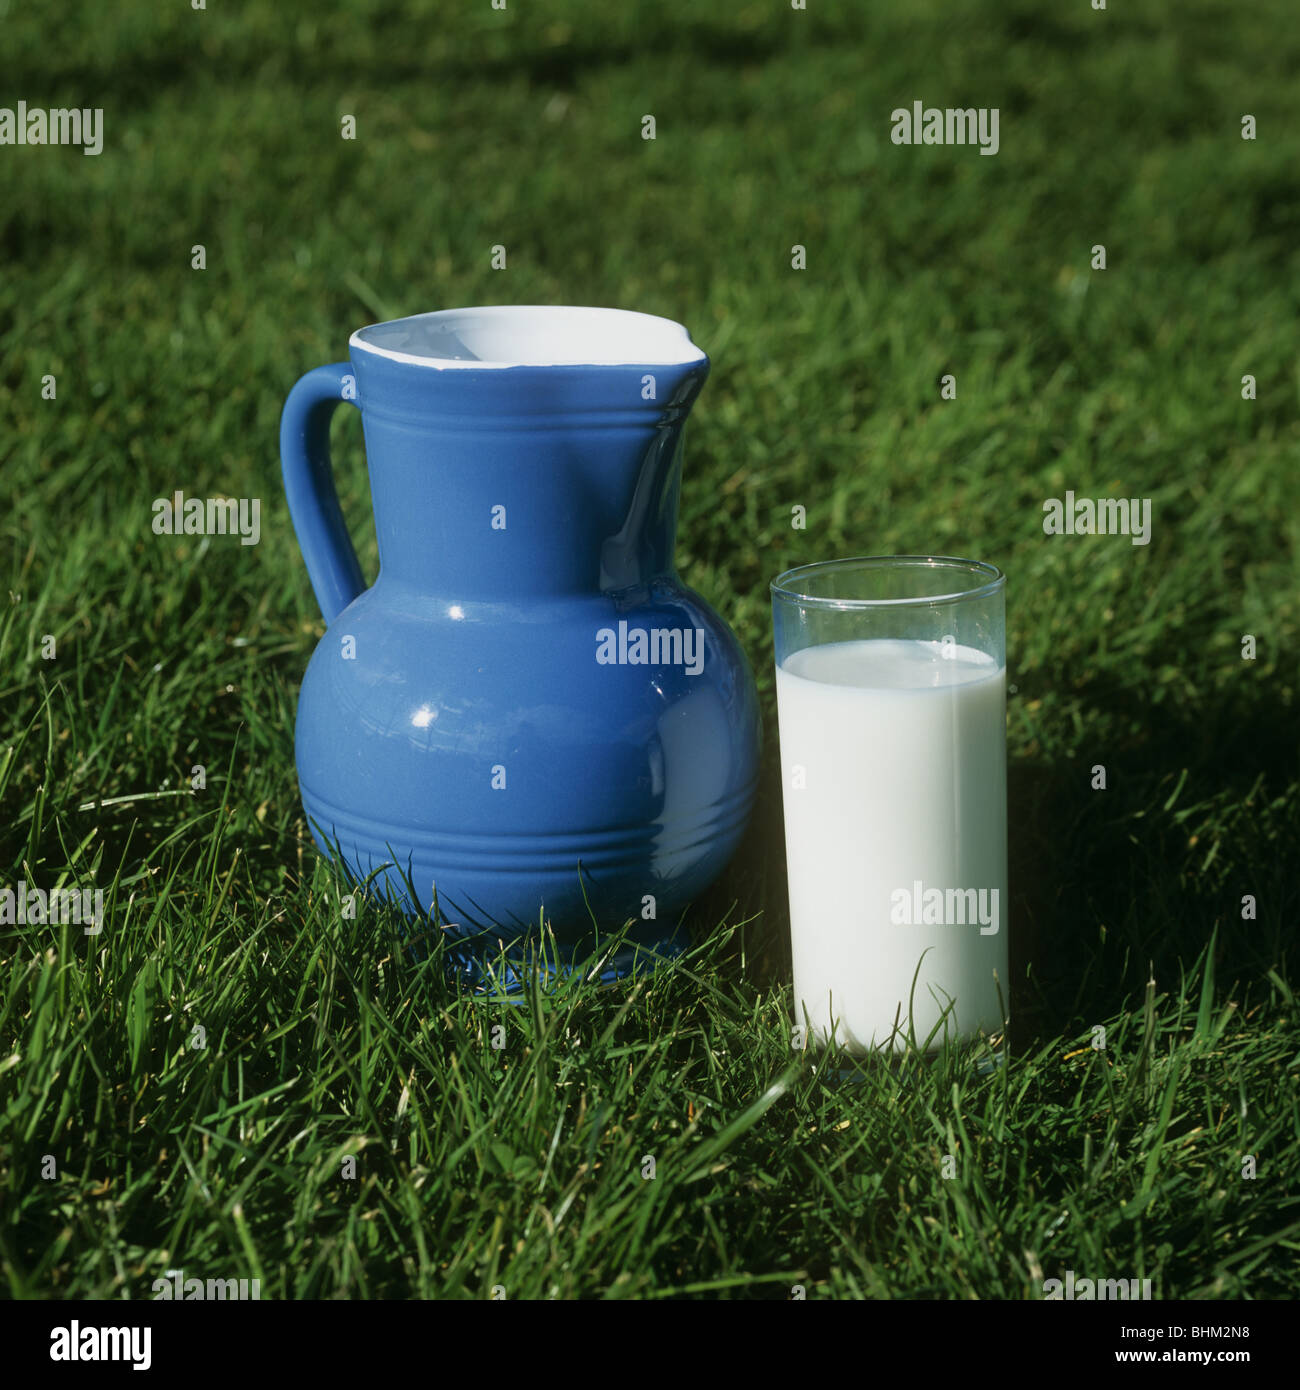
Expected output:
{"points": [[784, 585]]}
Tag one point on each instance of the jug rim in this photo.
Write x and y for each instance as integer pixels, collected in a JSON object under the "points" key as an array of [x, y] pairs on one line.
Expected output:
{"points": [[548, 335]]}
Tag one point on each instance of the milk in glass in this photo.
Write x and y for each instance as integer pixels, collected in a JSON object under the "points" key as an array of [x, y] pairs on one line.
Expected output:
{"points": [[893, 755]]}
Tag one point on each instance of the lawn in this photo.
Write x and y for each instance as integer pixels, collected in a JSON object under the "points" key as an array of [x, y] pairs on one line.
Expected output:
{"points": [[235, 1079]]}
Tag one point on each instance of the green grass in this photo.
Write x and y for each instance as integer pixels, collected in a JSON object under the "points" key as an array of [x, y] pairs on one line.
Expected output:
{"points": [[520, 1166]]}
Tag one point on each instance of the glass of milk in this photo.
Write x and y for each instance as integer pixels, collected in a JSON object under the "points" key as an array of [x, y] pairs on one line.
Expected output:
{"points": [[891, 700]]}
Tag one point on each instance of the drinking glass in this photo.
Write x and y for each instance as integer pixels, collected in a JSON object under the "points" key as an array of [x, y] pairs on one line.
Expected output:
{"points": [[891, 703]]}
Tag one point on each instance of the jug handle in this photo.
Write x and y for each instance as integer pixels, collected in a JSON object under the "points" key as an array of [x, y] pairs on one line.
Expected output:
{"points": [[313, 499]]}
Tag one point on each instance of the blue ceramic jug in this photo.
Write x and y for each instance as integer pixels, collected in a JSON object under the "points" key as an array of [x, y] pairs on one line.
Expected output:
{"points": [[527, 713]]}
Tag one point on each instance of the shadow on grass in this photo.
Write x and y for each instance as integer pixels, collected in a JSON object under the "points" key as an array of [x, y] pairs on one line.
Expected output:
{"points": [[1107, 885], [150, 74]]}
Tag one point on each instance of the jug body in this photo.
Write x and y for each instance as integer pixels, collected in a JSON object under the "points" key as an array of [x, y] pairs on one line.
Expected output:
{"points": [[527, 718]]}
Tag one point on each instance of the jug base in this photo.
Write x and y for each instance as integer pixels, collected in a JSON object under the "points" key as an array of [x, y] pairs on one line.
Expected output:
{"points": [[510, 971], [589, 924]]}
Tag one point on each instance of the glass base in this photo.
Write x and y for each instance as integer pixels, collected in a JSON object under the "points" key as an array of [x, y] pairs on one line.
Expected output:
{"points": [[855, 1070]]}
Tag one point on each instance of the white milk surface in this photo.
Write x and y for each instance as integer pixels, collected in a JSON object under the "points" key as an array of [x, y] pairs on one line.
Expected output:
{"points": [[893, 760]]}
